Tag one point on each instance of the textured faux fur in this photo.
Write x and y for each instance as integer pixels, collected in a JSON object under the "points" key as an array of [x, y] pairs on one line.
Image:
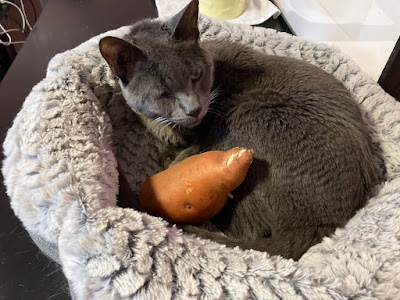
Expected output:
{"points": [[61, 175]]}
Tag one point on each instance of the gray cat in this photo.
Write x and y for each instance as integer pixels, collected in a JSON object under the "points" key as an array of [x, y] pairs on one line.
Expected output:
{"points": [[314, 166]]}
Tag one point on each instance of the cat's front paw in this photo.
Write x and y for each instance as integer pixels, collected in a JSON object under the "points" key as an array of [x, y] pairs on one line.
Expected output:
{"points": [[168, 155]]}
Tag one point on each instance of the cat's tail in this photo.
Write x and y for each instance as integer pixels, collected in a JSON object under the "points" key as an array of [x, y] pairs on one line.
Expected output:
{"points": [[289, 244]]}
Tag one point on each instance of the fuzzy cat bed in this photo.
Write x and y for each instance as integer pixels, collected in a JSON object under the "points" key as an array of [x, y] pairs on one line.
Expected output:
{"points": [[61, 174]]}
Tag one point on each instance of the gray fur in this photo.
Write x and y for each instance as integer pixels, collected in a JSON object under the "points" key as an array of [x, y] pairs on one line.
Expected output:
{"points": [[314, 165]]}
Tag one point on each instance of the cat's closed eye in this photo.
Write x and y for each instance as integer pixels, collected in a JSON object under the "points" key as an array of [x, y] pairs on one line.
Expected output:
{"points": [[165, 95], [195, 74]]}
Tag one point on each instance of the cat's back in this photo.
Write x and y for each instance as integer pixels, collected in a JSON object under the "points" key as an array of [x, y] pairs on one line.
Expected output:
{"points": [[302, 93], [238, 65], [303, 123]]}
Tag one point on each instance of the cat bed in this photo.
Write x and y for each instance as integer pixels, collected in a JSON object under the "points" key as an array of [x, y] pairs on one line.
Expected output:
{"points": [[60, 172]]}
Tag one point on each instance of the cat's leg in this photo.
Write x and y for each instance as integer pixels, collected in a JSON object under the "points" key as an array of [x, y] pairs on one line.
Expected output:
{"points": [[292, 243], [172, 154], [167, 134], [168, 155], [185, 153]]}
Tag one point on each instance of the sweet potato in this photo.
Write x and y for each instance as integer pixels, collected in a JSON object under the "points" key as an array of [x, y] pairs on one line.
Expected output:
{"points": [[196, 188]]}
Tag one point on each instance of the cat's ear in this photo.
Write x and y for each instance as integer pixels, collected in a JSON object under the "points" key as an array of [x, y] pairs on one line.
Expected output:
{"points": [[121, 56], [184, 24]]}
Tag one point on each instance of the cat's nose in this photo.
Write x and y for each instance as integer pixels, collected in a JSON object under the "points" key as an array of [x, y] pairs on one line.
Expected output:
{"points": [[193, 111], [190, 104]]}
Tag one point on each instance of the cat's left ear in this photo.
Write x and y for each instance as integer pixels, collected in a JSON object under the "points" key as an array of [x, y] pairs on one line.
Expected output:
{"points": [[184, 24], [121, 56]]}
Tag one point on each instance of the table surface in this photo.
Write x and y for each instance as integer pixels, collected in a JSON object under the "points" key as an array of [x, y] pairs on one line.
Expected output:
{"points": [[25, 273]]}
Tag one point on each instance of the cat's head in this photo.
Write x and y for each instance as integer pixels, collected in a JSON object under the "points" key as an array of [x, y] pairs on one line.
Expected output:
{"points": [[163, 72]]}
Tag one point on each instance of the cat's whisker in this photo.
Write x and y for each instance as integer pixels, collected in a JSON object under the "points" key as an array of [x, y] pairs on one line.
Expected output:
{"points": [[175, 124], [155, 121], [213, 95], [213, 101], [164, 120], [159, 120], [215, 112], [178, 122], [164, 125]]}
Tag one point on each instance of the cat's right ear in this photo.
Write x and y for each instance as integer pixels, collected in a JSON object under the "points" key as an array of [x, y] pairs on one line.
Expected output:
{"points": [[121, 56], [184, 24]]}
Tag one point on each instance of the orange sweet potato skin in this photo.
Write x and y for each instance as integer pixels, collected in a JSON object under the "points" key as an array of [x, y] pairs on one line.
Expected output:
{"points": [[196, 188]]}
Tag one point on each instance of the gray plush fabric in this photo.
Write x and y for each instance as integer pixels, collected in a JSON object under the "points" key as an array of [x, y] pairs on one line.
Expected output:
{"points": [[61, 175]]}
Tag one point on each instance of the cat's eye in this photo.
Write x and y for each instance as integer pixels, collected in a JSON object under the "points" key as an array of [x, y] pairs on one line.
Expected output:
{"points": [[196, 74], [165, 95]]}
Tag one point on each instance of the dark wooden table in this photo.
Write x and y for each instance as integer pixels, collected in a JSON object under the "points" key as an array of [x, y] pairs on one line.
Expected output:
{"points": [[25, 273]]}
